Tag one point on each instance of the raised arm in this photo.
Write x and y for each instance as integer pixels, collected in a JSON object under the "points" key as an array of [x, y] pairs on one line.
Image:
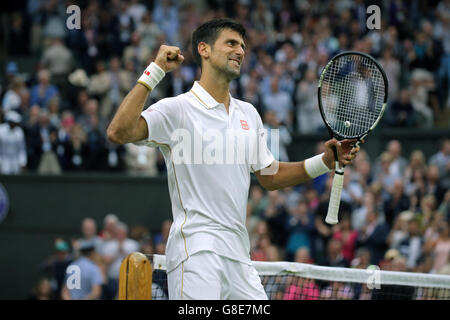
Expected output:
{"points": [[292, 173], [127, 124]]}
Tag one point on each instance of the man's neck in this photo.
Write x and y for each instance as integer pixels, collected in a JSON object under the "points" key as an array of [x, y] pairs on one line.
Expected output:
{"points": [[217, 87]]}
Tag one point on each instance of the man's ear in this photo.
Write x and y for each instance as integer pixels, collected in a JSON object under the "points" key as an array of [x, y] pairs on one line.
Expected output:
{"points": [[204, 50]]}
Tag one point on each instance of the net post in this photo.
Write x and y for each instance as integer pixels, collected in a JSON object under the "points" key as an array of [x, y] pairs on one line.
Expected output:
{"points": [[135, 278]]}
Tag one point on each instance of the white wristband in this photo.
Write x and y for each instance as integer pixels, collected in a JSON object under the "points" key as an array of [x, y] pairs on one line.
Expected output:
{"points": [[315, 166], [151, 76]]}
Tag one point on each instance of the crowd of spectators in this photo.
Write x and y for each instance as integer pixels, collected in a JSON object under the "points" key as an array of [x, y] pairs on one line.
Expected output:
{"points": [[78, 77], [98, 254], [395, 208], [394, 213]]}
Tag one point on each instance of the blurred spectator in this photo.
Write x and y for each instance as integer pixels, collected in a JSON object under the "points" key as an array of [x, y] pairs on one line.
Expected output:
{"points": [[109, 227], [396, 201], [42, 142], [279, 102], [276, 216], [149, 31], [352, 191], [402, 113], [273, 253], [164, 235], [308, 117], [373, 236], [11, 99], [140, 160], [411, 246], [441, 247], [387, 176], [42, 290], [280, 134], [55, 266], [442, 158], [347, 236], [302, 255], [114, 251], [43, 91], [13, 155], [90, 276], [300, 225], [422, 84], [166, 16], [137, 52], [399, 230], [334, 256], [57, 59], [89, 233], [434, 186], [75, 154], [392, 68]]}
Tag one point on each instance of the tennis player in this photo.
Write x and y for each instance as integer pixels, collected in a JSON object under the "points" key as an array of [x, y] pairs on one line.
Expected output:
{"points": [[208, 250]]}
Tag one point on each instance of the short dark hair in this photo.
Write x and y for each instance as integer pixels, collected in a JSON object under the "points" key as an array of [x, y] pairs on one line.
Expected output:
{"points": [[209, 32]]}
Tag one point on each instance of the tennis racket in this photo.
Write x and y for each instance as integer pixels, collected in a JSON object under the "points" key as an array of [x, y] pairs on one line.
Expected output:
{"points": [[352, 98]]}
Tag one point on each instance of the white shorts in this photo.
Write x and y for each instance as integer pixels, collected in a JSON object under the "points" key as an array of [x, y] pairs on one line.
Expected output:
{"points": [[208, 276]]}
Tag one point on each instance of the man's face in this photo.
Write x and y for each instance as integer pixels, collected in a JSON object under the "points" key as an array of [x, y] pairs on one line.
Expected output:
{"points": [[227, 53]]}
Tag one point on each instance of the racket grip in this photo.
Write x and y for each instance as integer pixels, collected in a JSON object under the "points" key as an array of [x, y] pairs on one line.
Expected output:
{"points": [[335, 196]]}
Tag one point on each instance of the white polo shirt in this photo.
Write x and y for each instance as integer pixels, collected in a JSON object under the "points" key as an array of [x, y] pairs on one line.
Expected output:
{"points": [[208, 191]]}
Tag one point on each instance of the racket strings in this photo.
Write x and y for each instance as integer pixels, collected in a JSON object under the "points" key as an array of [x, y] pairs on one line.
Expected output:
{"points": [[353, 92]]}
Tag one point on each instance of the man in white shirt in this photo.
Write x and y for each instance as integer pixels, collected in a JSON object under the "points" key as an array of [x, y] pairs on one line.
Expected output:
{"points": [[13, 154], [208, 250]]}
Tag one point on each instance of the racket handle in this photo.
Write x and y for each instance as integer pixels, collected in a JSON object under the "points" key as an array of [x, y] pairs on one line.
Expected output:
{"points": [[335, 196]]}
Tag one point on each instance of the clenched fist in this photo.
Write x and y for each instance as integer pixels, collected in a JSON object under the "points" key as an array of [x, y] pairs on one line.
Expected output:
{"points": [[169, 58]]}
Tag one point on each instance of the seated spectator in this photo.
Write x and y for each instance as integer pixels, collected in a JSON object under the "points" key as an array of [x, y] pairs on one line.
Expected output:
{"points": [[43, 91], [13, 154], [89, 284]]}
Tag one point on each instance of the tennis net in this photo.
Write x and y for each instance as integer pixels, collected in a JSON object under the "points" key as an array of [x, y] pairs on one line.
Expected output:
{"points": [[298, 281]]}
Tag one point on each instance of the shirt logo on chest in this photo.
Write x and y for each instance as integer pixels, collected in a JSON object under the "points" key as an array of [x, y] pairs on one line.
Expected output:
{"points": [[244, 125]]}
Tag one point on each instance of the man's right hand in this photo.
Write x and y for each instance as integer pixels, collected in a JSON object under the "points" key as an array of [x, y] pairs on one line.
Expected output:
{"points": [[169, 58]]}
